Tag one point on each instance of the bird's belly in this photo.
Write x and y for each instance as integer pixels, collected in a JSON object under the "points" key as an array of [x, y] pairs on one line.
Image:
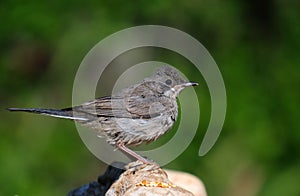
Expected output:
{"points": [[136, 131]]}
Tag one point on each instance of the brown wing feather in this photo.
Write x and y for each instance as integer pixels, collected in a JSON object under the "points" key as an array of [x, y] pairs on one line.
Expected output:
{"points": [[119, 107]]}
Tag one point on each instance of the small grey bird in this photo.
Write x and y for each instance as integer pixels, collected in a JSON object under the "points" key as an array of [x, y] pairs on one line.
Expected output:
{"points": [[139, 113]]}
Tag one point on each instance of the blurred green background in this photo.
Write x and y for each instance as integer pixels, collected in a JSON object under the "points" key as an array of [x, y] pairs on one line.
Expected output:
{"points": [[255, 43]]}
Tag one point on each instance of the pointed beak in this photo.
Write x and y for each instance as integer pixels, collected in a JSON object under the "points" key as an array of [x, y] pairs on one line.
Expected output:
{"points": [[187, 84], [190, 84]]}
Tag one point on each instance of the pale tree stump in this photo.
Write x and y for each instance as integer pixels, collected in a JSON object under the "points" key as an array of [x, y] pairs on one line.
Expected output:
{"points": [[187, 181], [137, 178]]}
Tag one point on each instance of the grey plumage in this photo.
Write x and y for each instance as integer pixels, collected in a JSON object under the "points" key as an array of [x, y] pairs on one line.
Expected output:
{"points": [[140, 113]]}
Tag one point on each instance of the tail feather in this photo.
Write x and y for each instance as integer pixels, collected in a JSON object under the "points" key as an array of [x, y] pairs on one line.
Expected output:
{"points": [[48, 112]]}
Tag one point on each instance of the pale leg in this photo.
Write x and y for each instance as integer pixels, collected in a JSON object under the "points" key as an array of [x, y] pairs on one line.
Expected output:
{"points": [[132, 153]]}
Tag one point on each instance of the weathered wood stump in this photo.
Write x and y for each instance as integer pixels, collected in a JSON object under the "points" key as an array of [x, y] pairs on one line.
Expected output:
{"points": [[138, 178]]}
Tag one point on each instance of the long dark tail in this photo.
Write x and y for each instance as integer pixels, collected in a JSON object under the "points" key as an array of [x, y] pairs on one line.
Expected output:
{"points": [[65, 113]]}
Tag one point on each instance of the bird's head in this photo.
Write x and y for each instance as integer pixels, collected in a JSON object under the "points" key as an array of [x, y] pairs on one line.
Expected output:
{"points": [[169, 81]]}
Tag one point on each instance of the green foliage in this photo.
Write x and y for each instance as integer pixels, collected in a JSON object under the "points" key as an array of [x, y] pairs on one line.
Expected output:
{"points": [[256, 45]]}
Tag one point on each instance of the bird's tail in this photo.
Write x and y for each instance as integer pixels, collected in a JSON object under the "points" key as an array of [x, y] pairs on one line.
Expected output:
{"points": [[65, 113]]}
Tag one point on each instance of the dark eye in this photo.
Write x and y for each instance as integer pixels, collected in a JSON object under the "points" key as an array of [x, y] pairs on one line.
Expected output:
{"points": [[168, 82]]}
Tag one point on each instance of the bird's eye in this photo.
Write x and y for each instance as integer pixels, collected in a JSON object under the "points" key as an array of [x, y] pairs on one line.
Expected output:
{"points": [[168, 82]]}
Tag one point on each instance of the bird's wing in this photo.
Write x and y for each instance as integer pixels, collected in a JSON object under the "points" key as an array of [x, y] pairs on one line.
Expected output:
{"points": [[133, 106], [148, 106], [101, 107]]}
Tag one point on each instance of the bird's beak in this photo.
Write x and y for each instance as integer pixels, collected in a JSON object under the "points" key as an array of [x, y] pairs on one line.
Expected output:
{"points": [[190, 84], [187, 84]]}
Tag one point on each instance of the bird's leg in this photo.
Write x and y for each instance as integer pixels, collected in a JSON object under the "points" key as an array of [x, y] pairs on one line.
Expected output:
{"points": [[132, 153]]}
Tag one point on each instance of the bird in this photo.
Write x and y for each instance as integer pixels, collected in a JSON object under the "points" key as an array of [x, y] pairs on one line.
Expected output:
{"points": [[139, 113]]}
